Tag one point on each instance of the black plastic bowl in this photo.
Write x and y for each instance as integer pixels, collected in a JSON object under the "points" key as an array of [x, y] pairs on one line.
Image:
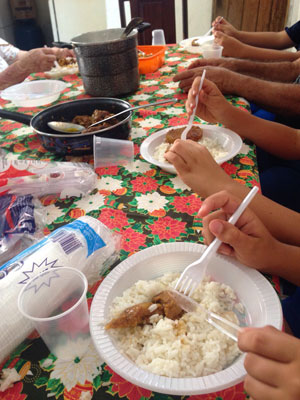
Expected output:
{"points": [[81, 143]]}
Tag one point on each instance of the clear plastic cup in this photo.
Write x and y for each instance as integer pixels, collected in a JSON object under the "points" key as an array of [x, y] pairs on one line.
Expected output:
{"points": [[212, 50], [109, 152], [55, 301], [158, 37]]}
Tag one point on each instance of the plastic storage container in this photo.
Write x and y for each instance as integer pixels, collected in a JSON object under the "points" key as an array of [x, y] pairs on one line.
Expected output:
{"points": [[154, 60]]}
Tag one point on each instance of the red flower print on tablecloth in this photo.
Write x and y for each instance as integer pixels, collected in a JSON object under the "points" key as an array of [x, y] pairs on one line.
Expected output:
{"points": [[113, 218], [76, 213], [180, 96], [10, 126], [230, 169], [14, 393], [246, 161], [145, 113], [75, 392], [144, 184], [126, 389], [175, 121], [136, 149], [132, 240], [187, 204], [35, 143], [167, 228], [114, 170], [232, 393], [150, 89]]}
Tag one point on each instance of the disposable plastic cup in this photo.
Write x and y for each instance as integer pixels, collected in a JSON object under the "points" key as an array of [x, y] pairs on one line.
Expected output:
{"points": [[158, 37], [212, 51], [109, 152], [55, 301]]}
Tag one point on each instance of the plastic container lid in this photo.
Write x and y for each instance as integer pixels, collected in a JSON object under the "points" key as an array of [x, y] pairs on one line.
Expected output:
{"points": [[34, 93]]}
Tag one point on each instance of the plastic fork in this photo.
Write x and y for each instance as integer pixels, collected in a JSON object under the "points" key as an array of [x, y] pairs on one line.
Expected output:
{"points": [[210, 30], [191, 120], [193, 274], [225, 326]]}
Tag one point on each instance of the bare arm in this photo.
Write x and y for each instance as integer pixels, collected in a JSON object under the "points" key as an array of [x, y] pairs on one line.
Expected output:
{"points": [[281, 98], [197, 168], [272, 71], [272, 40], [233, 47], [277, 139], [27, 62], [248, 241]]}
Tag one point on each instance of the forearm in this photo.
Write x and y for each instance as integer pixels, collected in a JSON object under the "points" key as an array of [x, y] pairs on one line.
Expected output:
{"points": [[285, 262], [282, 222], [272, 71], [264, 54], [12, 75], [281, 98], [277, 139], [270, 40]]}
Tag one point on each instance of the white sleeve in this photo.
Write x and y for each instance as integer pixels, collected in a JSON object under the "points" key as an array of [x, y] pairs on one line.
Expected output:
{"points": [[8, 52]]}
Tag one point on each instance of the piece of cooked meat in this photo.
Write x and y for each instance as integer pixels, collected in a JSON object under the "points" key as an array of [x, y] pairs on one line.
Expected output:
{"points": [[99, 115], [138, 314], [84, 120], [195, 134], [195, 42], [171, 309], [66, 61]]}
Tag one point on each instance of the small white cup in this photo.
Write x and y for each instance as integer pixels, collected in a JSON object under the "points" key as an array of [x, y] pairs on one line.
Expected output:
{"points": [[55, 301], [158, 37], [211, 50], [109, 152]]}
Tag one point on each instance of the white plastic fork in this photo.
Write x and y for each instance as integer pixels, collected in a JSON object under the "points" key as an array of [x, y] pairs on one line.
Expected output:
{"points": [[191, 120], [193, 274], [210, 30], [225, 326]]}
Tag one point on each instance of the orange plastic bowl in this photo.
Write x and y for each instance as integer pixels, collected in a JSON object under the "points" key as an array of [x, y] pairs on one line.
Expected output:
{"points": [[154, 60]]}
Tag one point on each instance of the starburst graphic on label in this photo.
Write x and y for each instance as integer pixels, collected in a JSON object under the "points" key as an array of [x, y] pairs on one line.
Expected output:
{"points": [[43, 279], [36, 268]]}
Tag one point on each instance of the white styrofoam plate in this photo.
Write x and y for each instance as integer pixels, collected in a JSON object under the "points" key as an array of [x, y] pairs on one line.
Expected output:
{"points": [[187, 43], [228, 139], [254, 291]]}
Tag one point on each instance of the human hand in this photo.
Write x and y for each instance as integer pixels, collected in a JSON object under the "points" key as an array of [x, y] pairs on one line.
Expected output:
{"points": [[228, 63], [196, 167], [248, 240], [232, 47], [36, 60], [62, 52], [222, 77], [224, 26], [272, 363], [212, 105]]}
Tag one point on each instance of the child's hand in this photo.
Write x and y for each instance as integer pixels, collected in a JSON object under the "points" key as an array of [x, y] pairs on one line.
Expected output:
{"points": [[196, 167], [272, 364], [224, 26], [248, 241], [212, 105], [231, 47]]}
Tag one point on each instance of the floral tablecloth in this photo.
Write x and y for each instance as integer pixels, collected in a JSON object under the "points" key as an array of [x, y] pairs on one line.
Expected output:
{"points": [[146, 205]]}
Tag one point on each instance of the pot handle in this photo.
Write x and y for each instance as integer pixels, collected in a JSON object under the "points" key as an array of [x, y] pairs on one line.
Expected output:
{"points": [[15, 116]]}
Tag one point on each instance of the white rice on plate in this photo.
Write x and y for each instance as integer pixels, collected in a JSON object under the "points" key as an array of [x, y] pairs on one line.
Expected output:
{"points": [[212, 145], [188, 347]]}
